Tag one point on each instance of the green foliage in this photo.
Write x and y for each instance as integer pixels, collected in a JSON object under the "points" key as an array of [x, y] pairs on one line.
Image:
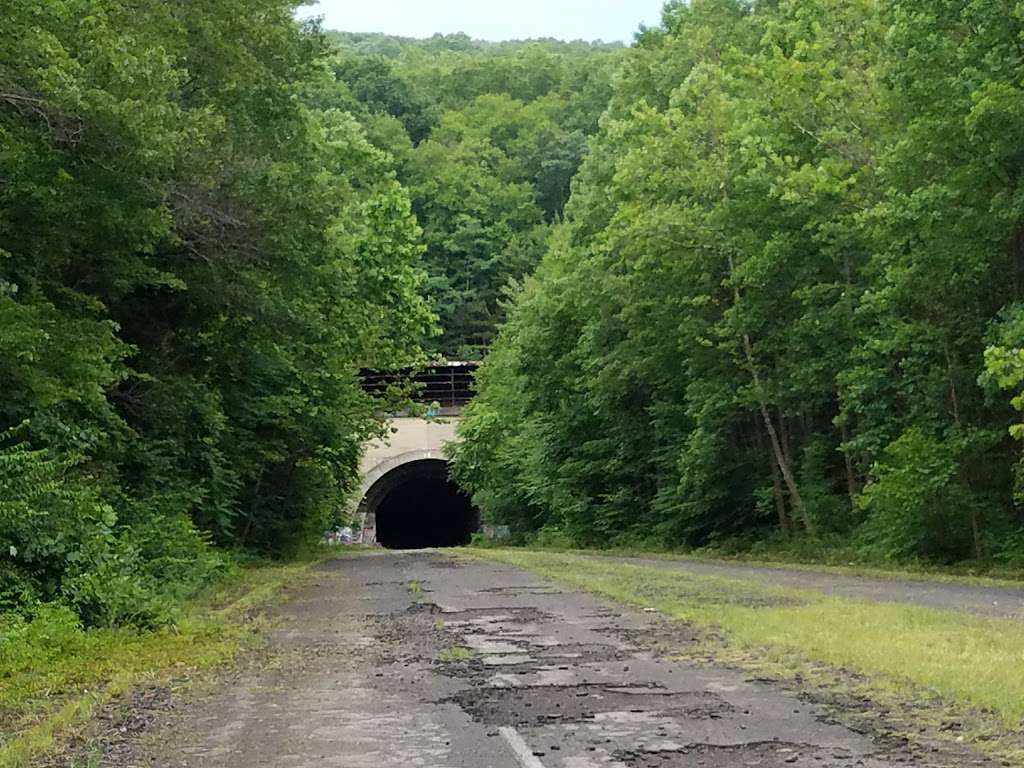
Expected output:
{"points": [[917, 506], [59, 541], [551, 538], [766, 313], [1004, 370], [52, 632], [376, 89], [391, 46], [487, 138], [199, 256]]}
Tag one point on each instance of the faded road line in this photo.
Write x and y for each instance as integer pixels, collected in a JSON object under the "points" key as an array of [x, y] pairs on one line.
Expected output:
{"points": [[522, 752]]}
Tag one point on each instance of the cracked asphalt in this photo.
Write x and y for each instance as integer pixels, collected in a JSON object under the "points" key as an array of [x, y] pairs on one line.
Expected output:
{"points": [[415, 659]]}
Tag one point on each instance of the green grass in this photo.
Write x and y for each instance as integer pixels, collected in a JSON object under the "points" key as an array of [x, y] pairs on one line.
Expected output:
{"points": [[971, 664], [457, 653], [987, 576], [54, 685]]}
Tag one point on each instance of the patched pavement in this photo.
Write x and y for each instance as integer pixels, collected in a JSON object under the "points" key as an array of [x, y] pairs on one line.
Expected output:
{"points": [[415, 659]]}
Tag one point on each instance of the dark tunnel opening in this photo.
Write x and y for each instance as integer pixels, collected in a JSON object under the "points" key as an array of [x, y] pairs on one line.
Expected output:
{"points": [[417, 506]]}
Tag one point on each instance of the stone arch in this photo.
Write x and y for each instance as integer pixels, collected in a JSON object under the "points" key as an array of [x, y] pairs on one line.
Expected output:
{"points": [[381, 468], [423, 507]]}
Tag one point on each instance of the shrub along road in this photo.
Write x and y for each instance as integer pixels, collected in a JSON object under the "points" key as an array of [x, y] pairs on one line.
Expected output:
{"points": [[419, 659]]}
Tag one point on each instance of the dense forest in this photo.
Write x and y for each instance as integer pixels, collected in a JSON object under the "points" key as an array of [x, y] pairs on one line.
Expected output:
{"points": [[786, 305], [212, 219], [757, 279], [197, 257], [486, 138]]}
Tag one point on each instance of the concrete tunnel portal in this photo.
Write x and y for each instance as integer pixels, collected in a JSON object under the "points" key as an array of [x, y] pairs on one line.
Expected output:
{"points": [[416, 505], [407, 500]]}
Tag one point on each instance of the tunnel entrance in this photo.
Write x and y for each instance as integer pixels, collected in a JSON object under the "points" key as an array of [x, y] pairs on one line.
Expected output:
{"points": [[416, 506]]}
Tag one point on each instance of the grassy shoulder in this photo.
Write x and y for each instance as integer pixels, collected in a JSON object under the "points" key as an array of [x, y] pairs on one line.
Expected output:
{"points": [[968, 668], [984, 575], [60, 675], [1010, 578]]}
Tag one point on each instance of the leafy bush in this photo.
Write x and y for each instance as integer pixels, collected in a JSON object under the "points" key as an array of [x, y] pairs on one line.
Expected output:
{"points": [[60, 541], [17, 590], [550, 537], [1011, 551], [52, 629], [918, 505]]}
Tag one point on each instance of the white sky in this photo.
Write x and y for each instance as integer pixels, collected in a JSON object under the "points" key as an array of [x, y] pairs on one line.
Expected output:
{"points": [[490, 20]]}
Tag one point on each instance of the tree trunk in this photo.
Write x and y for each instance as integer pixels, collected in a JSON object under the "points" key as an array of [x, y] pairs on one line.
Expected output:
{"points": [[976, 532], [975, 524], [252, 511], [787, 445], [773, 436], [852, 486], [780, 499], [784, 466], [952, 385], [851, 476]]}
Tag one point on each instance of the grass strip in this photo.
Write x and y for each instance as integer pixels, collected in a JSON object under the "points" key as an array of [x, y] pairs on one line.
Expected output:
{"points": [[43, 703], [969, 662], [1008, 578]]}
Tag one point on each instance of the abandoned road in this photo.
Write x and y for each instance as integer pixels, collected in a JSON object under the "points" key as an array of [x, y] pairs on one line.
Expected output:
{"points": [[419, 659]]}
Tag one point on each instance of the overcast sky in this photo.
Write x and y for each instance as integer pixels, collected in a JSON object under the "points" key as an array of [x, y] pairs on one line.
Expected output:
{"points": [[491, 19]]}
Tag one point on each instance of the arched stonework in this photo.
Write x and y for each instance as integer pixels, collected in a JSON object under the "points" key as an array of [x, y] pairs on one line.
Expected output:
{"points": [[376, 483], [411, 440]]}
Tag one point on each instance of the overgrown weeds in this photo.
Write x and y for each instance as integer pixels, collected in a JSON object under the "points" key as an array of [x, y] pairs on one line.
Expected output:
{"points": [[54, 673]]}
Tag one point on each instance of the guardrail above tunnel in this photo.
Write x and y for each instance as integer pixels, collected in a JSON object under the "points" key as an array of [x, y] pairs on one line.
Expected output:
{"points": [[449, 385]]}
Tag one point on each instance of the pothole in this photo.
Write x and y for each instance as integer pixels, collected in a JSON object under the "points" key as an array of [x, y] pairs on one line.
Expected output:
{"points": [[660, 637], [537, 705], [411, 635], [578, 653], [424, 607], [772, 754], [497, 615]]}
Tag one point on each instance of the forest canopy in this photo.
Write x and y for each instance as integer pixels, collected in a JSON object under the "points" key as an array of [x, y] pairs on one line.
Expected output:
{"points": [[755, 281], [196, 260], [785, 304], [487, 138]]}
